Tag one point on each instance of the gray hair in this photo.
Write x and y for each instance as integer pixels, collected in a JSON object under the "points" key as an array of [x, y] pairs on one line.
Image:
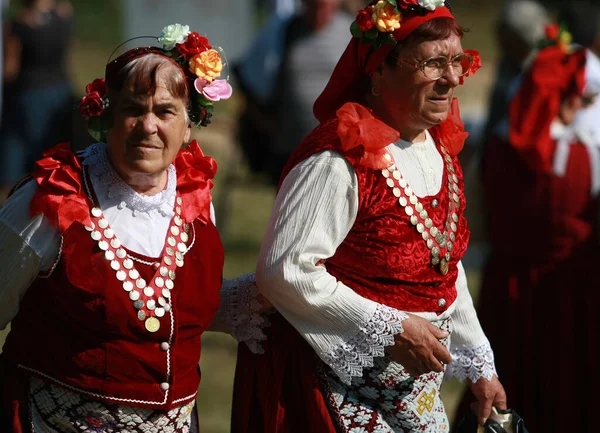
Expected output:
{"points": [[141, 72], [527, 18]]}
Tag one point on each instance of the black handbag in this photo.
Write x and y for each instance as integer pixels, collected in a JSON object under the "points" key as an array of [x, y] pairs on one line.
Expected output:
{"points": [[501, 421]]}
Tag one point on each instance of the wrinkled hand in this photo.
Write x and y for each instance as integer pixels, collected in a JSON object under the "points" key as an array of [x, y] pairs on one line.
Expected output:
{"points": [[418, 348], [489, 393]]}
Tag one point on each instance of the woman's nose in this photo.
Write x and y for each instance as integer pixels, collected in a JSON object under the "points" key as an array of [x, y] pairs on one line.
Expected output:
{"points": [[450, 78], [148, 123]]}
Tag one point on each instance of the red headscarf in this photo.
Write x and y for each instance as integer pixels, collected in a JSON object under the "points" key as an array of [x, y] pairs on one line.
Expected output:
{"points": [[553, 75], [360, 61]]}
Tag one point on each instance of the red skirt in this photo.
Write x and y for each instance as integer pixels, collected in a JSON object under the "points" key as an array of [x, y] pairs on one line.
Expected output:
{"points": [[279, 391], [543, 325]]}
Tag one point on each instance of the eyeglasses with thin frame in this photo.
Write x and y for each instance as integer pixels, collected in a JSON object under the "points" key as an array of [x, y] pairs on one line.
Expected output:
{"points": [[435, 67]]}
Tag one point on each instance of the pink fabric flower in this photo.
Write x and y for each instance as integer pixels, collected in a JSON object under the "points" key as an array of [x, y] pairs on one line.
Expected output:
{"points": [[215, 91]]}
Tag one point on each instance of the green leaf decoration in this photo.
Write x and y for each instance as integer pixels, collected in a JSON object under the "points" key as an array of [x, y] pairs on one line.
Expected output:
{"points": [[372, 34], [204, 102], [355, 30], [395, 4]]}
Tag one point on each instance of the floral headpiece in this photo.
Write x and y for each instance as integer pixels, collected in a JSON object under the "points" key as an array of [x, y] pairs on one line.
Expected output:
{"points": [[558, 35], [199, 61], [377, 23]]}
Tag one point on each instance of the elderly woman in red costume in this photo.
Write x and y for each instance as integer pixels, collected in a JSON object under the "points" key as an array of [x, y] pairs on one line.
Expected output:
{"points": [[111, 262], [362, 253], [540, 296]]}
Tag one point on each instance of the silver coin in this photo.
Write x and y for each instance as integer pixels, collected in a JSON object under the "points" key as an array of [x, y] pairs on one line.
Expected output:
{"points": [[435, 251], [170, 251], [178, 210], [182, 247], [447, 257], [178, 255], [115, 265], [428, 223], [166, 293], [390, 182], [439, 238], [171, 241], [430, 243], [179, 263], [167, 307], [453, 227], [121, 275], [159, 312], [138, 304], [108, 233], [424, 214], [140, 282], [103, 223], [151, 304], [450, 246], [413, 199], [134, 274], [128, 286], [148, 291], [396, 174], [434, 203], [96, 212], [172, 275], [385, 173], [179, 200], [164, 271], [159, 282], [403, 201], [96, 235], [162, 301], [134, 295], [419, 207], [115, 243], [414, 220], [420, 228], [408, 191], [175, 230], [433, 231], [435, 261], [141, 315], [103, 245], [109, 255], [91, 227], [409, 210], [454, 217], [178, 220], [452, 237], [425, 235], [184, 237], [121, 253], [169, 284], [396, 192], [402, 183], [168, 261], [128, 263]]}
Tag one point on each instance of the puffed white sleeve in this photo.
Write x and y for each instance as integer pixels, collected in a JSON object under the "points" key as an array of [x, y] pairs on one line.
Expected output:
{"points": [[315, 209], [472, 355], [27, 246]]}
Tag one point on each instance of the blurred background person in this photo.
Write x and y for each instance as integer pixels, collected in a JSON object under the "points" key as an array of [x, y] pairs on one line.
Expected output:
{"points": [[281, 75], [37, 85], [538, 300]]}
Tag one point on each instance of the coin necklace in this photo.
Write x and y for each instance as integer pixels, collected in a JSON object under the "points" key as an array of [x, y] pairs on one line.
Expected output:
{"points": [[439, 242], [151, 299]]}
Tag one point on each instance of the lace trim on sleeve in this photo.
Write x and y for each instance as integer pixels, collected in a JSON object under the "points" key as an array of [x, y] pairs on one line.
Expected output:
{"points": [[242, 312], [375, 333], [472, 363]]}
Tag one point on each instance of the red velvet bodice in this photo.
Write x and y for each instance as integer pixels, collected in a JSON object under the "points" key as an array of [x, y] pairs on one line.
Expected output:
{"points": [[79, 328], [383, 257]]}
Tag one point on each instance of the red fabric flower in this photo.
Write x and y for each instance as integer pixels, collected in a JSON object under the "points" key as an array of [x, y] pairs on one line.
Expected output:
{"points": [[451, 133], [194, 174], [195, 44], [364, 21], [98, 86], [60, 196], [365, 137], [475, 66], [91, 104], [552, 31]]}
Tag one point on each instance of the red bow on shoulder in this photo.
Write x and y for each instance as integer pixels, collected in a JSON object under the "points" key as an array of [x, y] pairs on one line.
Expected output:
{"points": [[194, 174], [60, 196], [364, 137]]}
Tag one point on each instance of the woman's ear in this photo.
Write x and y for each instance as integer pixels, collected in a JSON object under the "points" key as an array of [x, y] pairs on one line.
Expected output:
{"points": [[187, 134]]}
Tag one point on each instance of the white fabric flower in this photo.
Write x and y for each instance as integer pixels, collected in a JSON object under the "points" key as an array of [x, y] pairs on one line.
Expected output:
{"points": [[431, 4], [173, 34]]}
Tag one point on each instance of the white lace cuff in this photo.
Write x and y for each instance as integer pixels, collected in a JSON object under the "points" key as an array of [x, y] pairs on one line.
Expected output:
{"points": [[375, 333], [242, 311], [472, 363]]}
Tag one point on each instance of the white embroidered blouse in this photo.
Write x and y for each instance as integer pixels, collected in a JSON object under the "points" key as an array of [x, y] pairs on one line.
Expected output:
{"points": [[315, 209]]}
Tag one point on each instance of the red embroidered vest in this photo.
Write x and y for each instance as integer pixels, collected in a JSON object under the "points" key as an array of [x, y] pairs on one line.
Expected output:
{"points": [[79, 328], [383, 257]]}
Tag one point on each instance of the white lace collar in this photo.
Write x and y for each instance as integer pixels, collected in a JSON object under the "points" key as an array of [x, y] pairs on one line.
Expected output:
{"points": [[95, 158]]}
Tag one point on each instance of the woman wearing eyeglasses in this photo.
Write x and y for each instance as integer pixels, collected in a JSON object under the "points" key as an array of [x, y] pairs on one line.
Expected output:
{"points": [[362, 253]]}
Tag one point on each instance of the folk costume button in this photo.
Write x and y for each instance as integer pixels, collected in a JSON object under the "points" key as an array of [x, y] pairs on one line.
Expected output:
{"points": [[153, 325], [441, 303], [164, 386], [164, 346]]}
